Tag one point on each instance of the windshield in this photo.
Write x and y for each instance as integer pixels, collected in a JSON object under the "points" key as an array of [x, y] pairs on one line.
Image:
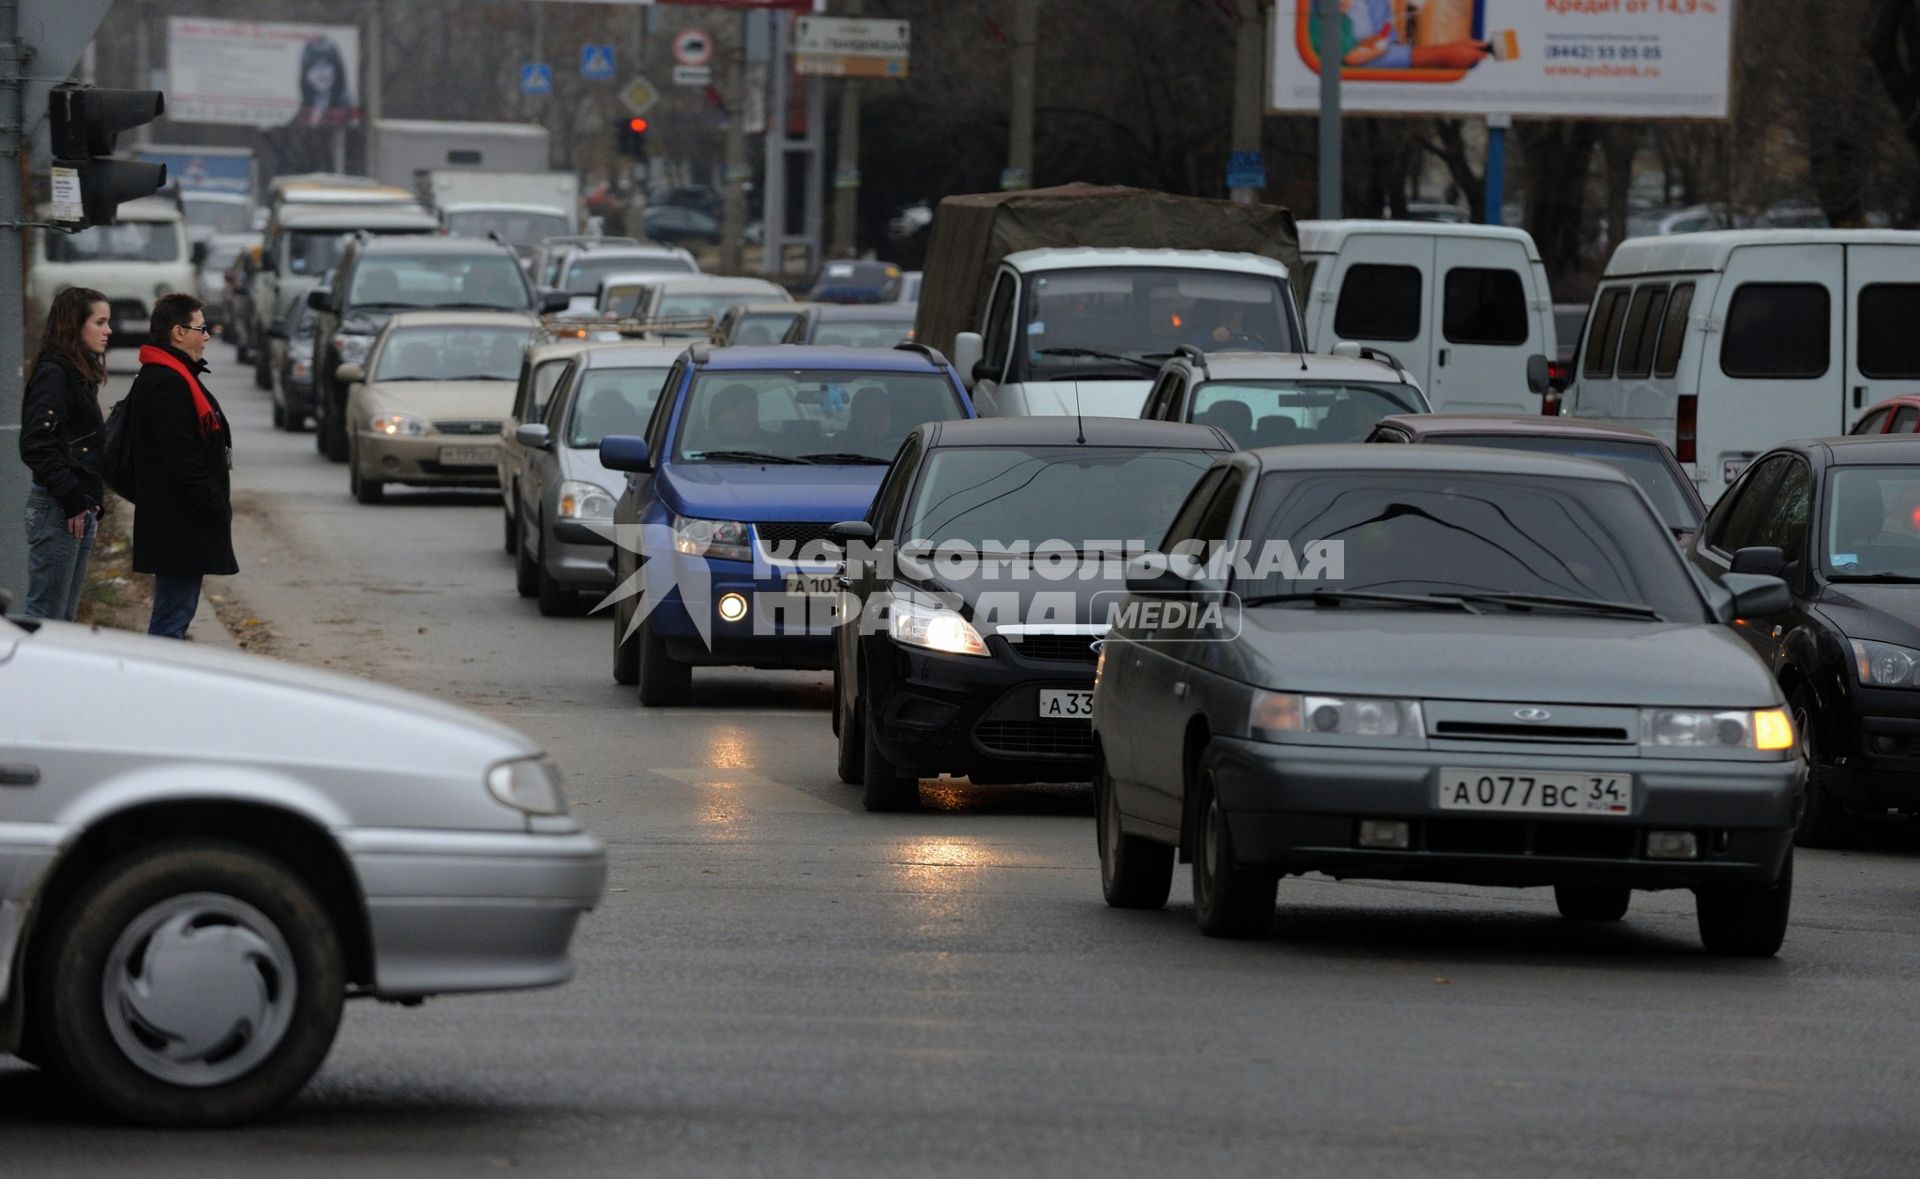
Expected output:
{"points": [[452, 354], [129, 241], [794, 414], [583, 277], [522, 229], [219, 216], [546, 375], [489, 280], [1090, 497], [613, 401], [1140, 312], [1286, 413], [863, 333], [762, 327], [314, 251], [1420, 533], [1641, 462], [221, 256], [1871, 523]]}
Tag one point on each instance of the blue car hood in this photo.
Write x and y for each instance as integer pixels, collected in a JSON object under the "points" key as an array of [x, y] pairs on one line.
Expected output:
{"points": [[737, 491]]}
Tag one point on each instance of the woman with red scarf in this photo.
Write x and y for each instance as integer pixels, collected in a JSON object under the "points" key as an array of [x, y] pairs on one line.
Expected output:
{"points": [[182, 461]]}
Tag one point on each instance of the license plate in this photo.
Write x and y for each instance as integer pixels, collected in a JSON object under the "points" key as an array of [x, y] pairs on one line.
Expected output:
{"points": [[469, 456], [813, 585], [1066, 704], [1730, 468], [1545, 793]]}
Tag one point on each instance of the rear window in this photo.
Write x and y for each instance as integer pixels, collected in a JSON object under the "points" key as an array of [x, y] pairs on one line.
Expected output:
{"points": [[1484, 306], [1777, 331], [1673, 331], [1643, 328], [1604, 335], [1889, 346], [1288, 413], [1379, 303]]}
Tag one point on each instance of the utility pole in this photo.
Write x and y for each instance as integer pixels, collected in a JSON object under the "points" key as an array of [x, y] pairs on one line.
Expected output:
{"points": [[14, 480], [1249, 104], [733, 213], [1026, 34], [373, 90], [1332, 202], [846, 172]]}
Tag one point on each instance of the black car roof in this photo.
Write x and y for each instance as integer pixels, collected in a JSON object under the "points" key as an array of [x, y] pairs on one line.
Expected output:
{"points": [[1069, 431], [429, 243], [1865, 449]]}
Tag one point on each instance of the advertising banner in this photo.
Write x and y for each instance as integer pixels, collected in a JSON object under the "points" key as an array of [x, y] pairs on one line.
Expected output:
{"points": [[262, 73], [1602, 59]]}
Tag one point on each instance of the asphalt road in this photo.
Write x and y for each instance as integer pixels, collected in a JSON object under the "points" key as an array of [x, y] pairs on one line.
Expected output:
{"points": [[779, 983]]}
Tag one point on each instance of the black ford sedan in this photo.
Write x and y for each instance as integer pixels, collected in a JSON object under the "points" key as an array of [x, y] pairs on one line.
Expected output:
{"points": [[1839, 520]]}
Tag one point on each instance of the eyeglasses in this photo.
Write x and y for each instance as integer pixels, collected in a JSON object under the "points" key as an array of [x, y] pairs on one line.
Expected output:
{"points": [[204, 329]]}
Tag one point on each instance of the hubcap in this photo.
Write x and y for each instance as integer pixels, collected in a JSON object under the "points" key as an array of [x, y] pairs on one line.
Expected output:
{"points": [[199, 989], [1800, 798], [1109, 826], [1210, 846]]}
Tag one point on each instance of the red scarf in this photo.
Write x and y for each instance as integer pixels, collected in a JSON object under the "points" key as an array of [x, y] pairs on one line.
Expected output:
{"points": [[202, 407]]}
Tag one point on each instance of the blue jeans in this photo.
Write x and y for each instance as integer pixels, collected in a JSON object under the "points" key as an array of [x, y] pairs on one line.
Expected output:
{"points": [[174, 601], [56, 558]]}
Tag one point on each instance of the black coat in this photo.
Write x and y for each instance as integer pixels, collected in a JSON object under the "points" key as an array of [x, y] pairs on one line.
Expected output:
{"points": [[60, 435], [183, 520]]}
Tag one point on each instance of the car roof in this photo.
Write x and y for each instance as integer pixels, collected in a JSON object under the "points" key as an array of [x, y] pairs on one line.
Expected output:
{"points": [[630, 355], [1423, 424], [1866, 449], [718, 284], [1305, 366], [431, 318], [1326, 237], [1444, 460], [348, 219], [812, 356], [1053, 430], [1901, 399], [542, 351], [1087, 257], [1711, 250], [885, 312], [602, 247], [432, 243]]}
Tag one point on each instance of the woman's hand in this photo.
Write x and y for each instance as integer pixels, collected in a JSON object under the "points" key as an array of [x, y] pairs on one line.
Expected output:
{"points": [[77, 525]]}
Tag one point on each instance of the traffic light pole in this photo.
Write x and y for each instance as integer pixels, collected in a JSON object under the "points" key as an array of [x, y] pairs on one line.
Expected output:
{"points": [[14, 480]]}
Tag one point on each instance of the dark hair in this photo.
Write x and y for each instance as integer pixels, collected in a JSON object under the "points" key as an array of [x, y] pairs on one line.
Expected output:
{"points": [[169, 312], [60, 338], [338, 98]]}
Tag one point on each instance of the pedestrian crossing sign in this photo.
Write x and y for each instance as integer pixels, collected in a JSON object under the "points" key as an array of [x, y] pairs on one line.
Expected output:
{"points": [[596, 62], [536, 78]]}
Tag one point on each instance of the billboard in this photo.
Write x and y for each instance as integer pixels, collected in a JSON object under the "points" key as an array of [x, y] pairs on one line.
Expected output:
{"points": [[199, 169], [262, 73], [1603, 59]]}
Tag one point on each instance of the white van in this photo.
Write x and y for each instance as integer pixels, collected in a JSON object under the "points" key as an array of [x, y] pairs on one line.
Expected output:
{"points": [[133, 262], [1463, 307], [1728, 343]]}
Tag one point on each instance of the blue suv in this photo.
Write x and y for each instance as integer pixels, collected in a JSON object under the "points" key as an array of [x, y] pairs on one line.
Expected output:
{"points": [[751, 455]]}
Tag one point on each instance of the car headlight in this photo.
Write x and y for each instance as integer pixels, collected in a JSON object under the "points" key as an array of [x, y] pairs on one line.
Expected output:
{"points": [[584, 501], [721, 540], [1275, 716], [528, 784], [935, 628], [301, 368], [1697, 728], [1883, 665], [397, 425], [352, 349]]}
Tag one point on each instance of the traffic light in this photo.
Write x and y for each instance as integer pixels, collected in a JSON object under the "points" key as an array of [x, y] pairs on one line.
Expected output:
{"points": [[85, 122], [632, 138]]}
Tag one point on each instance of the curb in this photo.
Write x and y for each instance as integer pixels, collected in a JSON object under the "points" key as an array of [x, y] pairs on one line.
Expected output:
{"points": [[207, 626]]}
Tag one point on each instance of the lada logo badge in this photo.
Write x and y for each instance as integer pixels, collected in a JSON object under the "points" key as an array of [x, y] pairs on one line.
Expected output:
{"points": [[1532, 714]]}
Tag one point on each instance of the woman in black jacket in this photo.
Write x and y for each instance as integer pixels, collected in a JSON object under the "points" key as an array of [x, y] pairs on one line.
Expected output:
{"points": [[60, 443]]}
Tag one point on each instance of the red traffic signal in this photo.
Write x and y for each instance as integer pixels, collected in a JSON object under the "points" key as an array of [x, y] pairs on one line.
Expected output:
{"points": [[637, 125]]}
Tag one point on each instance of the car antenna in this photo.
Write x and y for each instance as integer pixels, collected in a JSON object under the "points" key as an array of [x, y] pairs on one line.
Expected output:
{"points": [[1080, 423], [1303, 362]]}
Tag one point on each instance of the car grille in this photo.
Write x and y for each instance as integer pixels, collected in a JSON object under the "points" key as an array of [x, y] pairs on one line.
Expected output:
{"points": [[1514, 837], [786, 538], [1075, 648], [1036, 738], [467, 426], [1482, 731]]}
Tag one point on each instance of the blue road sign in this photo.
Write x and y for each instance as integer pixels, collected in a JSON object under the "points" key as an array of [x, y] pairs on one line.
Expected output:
{"points": [[596, 62], [536, 78], [1246, 169]]}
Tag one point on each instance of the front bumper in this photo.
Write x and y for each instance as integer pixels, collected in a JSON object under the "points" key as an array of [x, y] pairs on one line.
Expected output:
{"points": [[473, 911], [417, 460], [1298, 808], [577, 556], [780, 631], [958, 714]]}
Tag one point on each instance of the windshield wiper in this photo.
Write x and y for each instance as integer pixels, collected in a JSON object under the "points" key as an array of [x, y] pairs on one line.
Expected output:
{"points": [[1887, 578], [476, 307], [744, 456], [1559, 602], [1326, 597], [847, 457], [1096, 354], [478, 377]]}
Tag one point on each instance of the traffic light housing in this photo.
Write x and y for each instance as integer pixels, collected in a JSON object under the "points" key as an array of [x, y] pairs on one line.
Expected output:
{"points": [[631, 138], [85, 121]]}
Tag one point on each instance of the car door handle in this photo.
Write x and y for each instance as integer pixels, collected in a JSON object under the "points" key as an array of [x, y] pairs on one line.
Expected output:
{"points": [[19, 775], [1443, 357], [1180, 689], [1859, 396]]}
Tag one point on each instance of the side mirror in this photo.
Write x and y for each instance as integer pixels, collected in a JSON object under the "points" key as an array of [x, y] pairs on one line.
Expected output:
{"points": [[1760, 559], [350, 374], [554, 302], [320, 299], [1539, 375], [624, 452], [199, 255], [850, 530], [968, 348], [1757, 595], [276, 332], [1151, 575], [533, 435]]}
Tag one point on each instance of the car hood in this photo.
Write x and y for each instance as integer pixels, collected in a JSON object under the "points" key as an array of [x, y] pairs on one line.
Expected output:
{"points": [[1884, 613], [1089, 396], [1012, 590], [1539, 658], [443, 399], [363, 323], [739, 491]]}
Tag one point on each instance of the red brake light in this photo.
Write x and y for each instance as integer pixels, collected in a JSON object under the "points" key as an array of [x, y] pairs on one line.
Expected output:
{"points": [[1686, 428]]}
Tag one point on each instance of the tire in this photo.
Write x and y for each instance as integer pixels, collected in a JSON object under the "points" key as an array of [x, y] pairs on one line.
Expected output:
{"points": [[1135, 873], [510, 534], [665, 682], [279, 415], [319, 429], [626, 653], [526, 575], [883, 788], [262, 371], [101, 987], [1746, 922], [1592, 902], [850, 745], [1228, 900], [1819, 818], [555, 600], [366, 491], [334, 437]]}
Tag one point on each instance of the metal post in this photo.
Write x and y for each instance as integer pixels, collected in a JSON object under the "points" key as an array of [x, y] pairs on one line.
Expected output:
{"points": [[773, 198], [1026, 35], [373, 89], [1495, 201], [1249, 103], [1332, 201], [14, 479], [846, 172], [733, 219], [816, 149], [143, 61]]}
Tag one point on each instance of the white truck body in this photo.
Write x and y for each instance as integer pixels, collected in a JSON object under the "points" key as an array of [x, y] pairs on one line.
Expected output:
{"points": [[132, 263], [399, 149], [443, 188]]}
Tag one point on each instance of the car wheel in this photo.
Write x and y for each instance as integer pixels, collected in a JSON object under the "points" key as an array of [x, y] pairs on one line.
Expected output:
{"points": [[1819, 820], [664, 680], [242, 353], [1746, 922], [319, 427], [626, 653], [526, 576], [510, 536], [262, 371], [882, 786], [555, 600], [1592, 902], [1135, 873], [850, 737], [1228, 900], [190, 984], [279, 415], [335, 431], [366, 491]]}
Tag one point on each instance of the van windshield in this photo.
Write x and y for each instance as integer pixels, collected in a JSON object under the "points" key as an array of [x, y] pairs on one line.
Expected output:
{"points": [[129, 241], [1144, 312]]}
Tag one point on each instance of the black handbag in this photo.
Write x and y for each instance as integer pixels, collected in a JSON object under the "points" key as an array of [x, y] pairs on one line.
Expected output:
{"points": [[116, 452]]}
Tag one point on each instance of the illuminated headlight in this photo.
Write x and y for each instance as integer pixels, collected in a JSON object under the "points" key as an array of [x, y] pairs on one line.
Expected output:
{"points": [[1278, 715], [584, 501], [352, 349], [935, 628], [302, 369], [1883, 665], [1684, 728], [397, 425], [720, 540], [732, 607], [528, 784]]}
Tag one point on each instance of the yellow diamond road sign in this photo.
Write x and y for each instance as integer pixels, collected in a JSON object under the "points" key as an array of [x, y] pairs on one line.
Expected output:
{"points": [[640, 96]]}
